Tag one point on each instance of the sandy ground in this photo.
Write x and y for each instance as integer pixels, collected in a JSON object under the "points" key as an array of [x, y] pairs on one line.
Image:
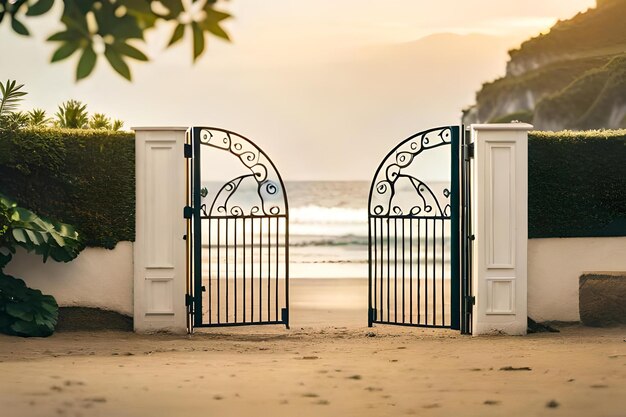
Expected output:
{"points": [[329, 363]]}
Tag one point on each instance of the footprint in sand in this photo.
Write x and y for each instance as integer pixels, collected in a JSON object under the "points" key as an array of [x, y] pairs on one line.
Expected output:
{"points": [[513, 368], [552, 404], [95, 400]]}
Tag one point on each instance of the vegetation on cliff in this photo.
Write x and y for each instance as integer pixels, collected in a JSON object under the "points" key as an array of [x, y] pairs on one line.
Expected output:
{"points": [[572, 77]]}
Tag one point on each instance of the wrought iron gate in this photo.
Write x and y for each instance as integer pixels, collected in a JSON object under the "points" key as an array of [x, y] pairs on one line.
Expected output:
{"points": [[238, 236], [414, 235]]}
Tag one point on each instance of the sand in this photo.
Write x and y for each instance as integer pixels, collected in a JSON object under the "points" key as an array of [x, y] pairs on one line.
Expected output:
{"points": [[329, 363]]}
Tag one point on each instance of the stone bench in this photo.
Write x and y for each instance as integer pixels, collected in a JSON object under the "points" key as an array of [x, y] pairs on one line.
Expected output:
{"points": [[602, 298]]}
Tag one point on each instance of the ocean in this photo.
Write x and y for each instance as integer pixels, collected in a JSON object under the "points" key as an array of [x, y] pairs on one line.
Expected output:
{"points": [[328, 230]]}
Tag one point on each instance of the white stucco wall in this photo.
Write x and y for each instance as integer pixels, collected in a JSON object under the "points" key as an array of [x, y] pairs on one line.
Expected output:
{"points": [[555, 265], [97, 278]]}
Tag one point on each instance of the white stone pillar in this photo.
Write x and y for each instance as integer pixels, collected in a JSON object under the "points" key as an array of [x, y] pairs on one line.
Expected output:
{"points": [[500, 227], [159, 250]]}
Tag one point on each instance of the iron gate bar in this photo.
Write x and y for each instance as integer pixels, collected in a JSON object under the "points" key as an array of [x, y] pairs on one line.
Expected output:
{"points": [[419, 268], [273, 203]]}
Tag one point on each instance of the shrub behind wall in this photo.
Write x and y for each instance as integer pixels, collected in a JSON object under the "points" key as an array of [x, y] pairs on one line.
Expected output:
{"points": [[82, 177], [577, 184]]}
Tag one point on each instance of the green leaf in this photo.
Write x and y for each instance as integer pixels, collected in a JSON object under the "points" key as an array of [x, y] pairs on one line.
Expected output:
{"points": [[64, 51], [212, 22], [67, 35], [29, 328], [177, 35], [117, 62], [18, 27], [175, 8], [19, 235], [74, 15], [11, 96], [198, 40], [34, 237], [142, 11], [20, 311], [120, 27], [86, 63], [130, 51], [39, 8]]}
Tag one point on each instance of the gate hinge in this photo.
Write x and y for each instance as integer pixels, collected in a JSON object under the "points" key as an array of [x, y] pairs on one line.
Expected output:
{"points": [[187, 212], [188, 150], [470, 151], [188, 300], [470, 300]]}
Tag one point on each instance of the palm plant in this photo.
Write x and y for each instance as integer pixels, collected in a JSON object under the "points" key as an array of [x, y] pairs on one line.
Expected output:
{"points": [[72, 115], [11, 96], [100, 121], [117, 125], [14, 120], [38, 118]]}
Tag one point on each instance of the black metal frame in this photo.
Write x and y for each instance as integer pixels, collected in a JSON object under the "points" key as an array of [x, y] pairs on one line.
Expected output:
{"points": [[269, 214], [467, 235], [386, 239]]}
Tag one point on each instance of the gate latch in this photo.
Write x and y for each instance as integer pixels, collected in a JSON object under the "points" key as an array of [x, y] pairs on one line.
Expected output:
{"points": [[188, 300], [470, 151], [188, 151]]}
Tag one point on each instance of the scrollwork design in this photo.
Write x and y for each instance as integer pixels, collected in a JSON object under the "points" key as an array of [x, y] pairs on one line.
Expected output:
{"points": [[395, 169], [270, 196]]}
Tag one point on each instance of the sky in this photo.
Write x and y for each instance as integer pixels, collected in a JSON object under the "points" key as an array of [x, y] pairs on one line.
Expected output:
{"points": [[325, 87]]}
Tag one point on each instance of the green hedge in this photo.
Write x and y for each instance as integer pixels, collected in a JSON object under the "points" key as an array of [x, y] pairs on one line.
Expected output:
{"points": [[577, 184], [577, 181], [82, 177]]}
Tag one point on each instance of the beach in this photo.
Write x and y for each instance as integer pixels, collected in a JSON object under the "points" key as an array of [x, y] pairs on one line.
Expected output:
{"points": [[328, 363]]}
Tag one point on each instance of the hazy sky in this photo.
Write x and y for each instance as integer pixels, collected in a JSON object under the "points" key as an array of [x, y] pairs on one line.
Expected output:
{"points": [[326, 87]]}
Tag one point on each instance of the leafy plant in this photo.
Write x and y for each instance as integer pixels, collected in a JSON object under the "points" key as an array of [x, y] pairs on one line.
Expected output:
{"points": [[46, 237], [100, 121], [108, 28], [25, 311], [38, 118], [14, 120], [11, 95], [117, 125], [72, 114]]}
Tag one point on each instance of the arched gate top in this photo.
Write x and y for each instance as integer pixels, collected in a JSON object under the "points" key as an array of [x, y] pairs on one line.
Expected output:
{"points": [[235, 198], [393, 174]]}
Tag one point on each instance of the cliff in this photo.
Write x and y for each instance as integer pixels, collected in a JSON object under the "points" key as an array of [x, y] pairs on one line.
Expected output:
{"points": [[572, 77]]}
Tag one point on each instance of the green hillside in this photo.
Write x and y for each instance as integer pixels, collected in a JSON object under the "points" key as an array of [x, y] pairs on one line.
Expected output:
{"points": [[572, 77]]}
